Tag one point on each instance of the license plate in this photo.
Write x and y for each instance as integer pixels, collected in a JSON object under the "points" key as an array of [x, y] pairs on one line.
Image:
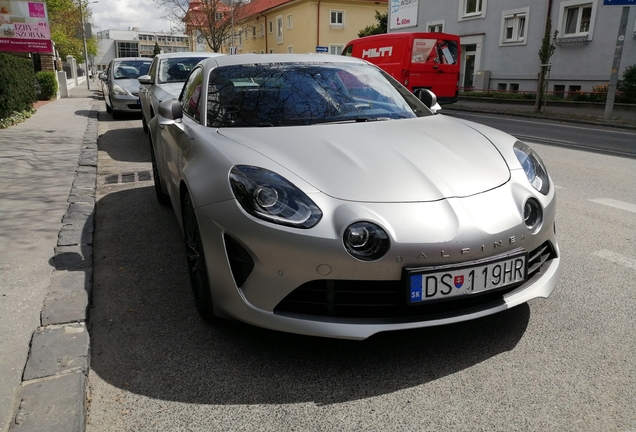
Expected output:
{"points": [[436, 283]]}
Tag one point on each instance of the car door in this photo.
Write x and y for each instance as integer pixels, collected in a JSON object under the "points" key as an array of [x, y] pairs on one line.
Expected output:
{"points": [[145, 91], [177, 137]]}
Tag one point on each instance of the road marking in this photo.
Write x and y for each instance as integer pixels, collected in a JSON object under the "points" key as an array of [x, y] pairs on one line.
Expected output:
{"points": [[616, 258], [616, 204]]}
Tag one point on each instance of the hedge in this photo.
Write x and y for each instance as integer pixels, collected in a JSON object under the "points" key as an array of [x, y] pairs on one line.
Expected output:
{"points": [[48, 84], [17, 92]]}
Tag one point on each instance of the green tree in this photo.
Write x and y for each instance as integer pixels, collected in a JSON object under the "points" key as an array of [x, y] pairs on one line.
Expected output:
{"points": [[545, 54], [66, 28], [379, 28]]}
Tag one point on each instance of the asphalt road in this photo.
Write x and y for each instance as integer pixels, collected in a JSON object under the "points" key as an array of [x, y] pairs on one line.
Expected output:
{"points": [[601, 139], [564, 363]]}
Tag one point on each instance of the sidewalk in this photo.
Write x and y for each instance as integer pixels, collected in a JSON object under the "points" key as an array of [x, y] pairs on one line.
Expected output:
{"points": [[574, 113], [48, 168]]}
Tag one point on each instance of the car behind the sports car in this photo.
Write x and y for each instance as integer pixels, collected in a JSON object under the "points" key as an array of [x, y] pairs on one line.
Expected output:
{"points": [[319, 196], [165, 79]]}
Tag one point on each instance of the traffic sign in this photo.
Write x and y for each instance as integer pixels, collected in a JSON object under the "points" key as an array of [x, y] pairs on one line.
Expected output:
{"points": [[619, 2], [322, 49]]}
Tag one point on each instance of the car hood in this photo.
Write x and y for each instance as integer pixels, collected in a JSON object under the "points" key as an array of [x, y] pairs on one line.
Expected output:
{"points": [[174, 89], [423, 159], [131, 85]]}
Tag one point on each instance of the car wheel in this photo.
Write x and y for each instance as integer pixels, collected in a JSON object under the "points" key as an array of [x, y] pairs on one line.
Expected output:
{"points": [[108, 108], [196, 261], [116, 114], [162, 197], [144, 124]]}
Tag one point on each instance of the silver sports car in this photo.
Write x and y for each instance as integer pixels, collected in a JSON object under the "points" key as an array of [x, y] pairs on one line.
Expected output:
{"points": [[319, 196]]}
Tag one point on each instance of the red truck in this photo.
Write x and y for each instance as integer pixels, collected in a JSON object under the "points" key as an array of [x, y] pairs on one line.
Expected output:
{"points": [[417, 60]]}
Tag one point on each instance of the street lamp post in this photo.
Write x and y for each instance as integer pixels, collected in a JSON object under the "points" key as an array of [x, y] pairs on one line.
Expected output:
{"points": [[88, 81]]}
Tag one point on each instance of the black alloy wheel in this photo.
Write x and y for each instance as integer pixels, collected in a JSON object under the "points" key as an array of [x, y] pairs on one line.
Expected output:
{"points": [[162, 197], [196, 261]]}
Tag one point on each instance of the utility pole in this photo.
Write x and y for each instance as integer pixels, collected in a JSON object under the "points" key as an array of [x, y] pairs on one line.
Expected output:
{"points": [[618, 53]]}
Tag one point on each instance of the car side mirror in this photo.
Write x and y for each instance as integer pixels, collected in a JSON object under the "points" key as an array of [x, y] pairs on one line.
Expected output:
{"points": [[171, 110], [429, 99], [103, 77], [145, 79]]}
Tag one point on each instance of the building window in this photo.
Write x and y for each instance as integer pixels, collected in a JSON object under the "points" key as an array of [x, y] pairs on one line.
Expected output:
{"points": [[270, 26], [290, 22], [514, 24], [573, 90], [576, 19], [336, 18], [261, 30], [279, 29], [502, 87], [472, 9], [218, 16], [559, 91], [127, 49], [290, 50], [435, 26], [514, 87], [336, 49]]}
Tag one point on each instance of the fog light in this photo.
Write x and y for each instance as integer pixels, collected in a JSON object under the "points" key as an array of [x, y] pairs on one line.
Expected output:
{"points": [[532, 214], [366, 241]]}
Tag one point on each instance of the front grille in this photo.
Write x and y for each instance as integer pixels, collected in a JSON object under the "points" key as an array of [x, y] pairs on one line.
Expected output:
{"points": [[385, 301]]}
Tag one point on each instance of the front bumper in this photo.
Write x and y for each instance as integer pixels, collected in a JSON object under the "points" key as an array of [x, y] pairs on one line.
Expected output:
{"points": [[125, 103], [286, 260]]}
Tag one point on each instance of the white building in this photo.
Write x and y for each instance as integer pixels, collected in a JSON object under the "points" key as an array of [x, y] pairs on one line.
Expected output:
{"points": [[136, 43]]}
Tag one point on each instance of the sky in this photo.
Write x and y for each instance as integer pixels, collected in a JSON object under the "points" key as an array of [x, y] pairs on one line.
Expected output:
{"points": [[121, 14]]}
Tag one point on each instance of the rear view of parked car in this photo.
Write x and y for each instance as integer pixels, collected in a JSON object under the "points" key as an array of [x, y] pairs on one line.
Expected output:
{"points": [[165, 80], [121, 87]]}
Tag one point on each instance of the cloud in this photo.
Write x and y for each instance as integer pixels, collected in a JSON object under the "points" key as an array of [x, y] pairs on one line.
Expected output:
{"points": [[122, 14]]}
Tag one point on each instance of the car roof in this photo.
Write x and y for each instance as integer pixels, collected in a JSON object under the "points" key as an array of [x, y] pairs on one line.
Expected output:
{"points": [[188, 54], [239, 59], [131, 58]]}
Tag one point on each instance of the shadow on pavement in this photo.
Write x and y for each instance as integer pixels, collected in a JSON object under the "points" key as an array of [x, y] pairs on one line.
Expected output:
{"points": [[148, 339], [124, 144]]}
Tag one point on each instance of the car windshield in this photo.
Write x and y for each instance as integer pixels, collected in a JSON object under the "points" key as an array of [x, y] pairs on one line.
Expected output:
{"points": [[130, 69], [288, 94], [177, 69]]}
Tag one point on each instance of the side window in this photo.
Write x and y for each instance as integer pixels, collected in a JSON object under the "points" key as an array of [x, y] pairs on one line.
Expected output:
{"points": [[190, 97], [153, 70]]}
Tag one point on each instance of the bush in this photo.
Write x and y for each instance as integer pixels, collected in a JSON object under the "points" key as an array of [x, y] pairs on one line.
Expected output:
{"points": [[627, 85], [17, 92], [48, 84]]}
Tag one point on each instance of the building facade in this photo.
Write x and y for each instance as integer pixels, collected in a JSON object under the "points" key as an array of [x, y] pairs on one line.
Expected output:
{"points": [[299, 26], [136, 43], [500, 41]]}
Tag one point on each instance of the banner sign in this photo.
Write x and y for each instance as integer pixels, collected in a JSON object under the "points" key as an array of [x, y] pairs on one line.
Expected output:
{"points": [[403, 14], [24, 26]]}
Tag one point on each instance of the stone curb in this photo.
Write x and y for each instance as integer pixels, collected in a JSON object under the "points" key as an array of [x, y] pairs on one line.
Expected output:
{"points": [[52, 396]]}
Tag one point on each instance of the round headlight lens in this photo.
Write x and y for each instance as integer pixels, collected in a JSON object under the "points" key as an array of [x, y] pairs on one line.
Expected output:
{"points": [[533, 167], [366, 241], [532, 214]]}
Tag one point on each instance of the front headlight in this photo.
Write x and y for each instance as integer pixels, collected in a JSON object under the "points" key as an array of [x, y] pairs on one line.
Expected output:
{"points": [[119, 90], [533, 167], [268, 196]]}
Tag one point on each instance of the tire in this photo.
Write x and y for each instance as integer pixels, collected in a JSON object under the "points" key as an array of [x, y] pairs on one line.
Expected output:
{"points": [[162, 197], [143, 123], [196, 262], [108, 108], [116, 115]]}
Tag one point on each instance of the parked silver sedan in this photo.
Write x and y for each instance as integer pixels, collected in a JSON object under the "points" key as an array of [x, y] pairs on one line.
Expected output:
{"points": [[319, 196], [120, 85], [165, 80]]}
